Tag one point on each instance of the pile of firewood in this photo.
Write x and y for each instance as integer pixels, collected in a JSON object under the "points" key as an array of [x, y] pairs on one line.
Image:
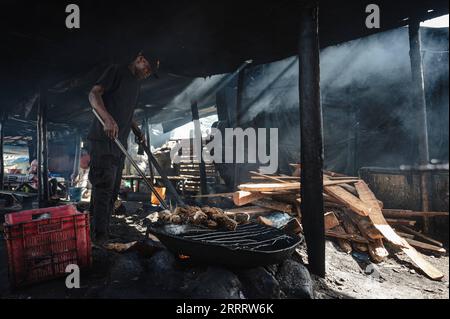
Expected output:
{"points": [[353, 217]]}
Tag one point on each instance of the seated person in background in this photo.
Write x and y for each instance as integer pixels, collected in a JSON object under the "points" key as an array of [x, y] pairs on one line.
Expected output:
{"points": [[31, 186]]}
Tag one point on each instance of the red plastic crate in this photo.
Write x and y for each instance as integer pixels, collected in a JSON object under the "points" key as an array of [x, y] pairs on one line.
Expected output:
{"points": [[42, 242]]}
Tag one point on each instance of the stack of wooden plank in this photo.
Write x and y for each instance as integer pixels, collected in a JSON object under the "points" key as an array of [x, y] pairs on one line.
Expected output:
{"points": [[189, 168], [353, 216]]}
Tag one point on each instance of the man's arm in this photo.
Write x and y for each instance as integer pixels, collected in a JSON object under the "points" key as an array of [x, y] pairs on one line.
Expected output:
{"points": [[95, 98]]}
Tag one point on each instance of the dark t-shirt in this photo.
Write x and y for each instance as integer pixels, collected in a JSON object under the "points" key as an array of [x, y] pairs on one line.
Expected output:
{"points": [[121, 92]]}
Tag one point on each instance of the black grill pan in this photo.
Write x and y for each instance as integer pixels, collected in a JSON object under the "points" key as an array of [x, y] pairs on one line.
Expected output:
{"points": [[250, 245]]}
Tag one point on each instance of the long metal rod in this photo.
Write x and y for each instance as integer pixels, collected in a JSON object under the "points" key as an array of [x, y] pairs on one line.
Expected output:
{"points": [[147, 131], [163, 175], [135, 165], [76, 159]]}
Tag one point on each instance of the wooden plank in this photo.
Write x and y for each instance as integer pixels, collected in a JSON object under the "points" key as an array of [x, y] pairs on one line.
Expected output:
{"points": [[329, 198], [341, 235], [330, 220], [421, 236], [343, 177], [367, 228], [333, 174], [381, 224], [400, 213], [274, 205], [214, 195], [347, 199], [264, 221], [426, 267], [298, 211], [350, 188], [268, 177], [344, 244], [404, 222], [242, 197], [404, 235], [268, 187], [283, 178], [425, 246], [377, 251], [293, 192], [287, 198], [327, 182], [364, 225], [293, 226], [251, 210], [351, 229], [376, 215]]}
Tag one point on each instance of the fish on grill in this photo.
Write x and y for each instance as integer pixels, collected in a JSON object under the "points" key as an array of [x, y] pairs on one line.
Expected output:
{"points": [[211, 217]]}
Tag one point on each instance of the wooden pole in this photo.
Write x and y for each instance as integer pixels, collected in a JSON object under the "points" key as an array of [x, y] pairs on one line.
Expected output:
{"points": [[239, 97], [419, 106], [311, 138], [42, 151]]}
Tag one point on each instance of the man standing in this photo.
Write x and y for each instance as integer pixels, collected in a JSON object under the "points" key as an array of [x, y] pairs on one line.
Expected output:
{"points": [[114, 97]]}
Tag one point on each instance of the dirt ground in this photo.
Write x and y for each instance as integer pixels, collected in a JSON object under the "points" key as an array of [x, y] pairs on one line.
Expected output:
{"points": [[395, 278], [347, 275]]}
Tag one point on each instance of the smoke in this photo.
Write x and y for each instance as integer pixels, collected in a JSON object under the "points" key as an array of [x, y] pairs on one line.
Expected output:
{"points": [[368, 77], [197, 90], [274, 84], [361, 63], [365, 61]]}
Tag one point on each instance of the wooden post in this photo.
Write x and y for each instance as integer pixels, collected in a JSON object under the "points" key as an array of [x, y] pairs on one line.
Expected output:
{"points": [[239, 96], [32, 148], [42, 151], [357, 119], [311, 138], [199, 146], [2, 138], [420, 107]]}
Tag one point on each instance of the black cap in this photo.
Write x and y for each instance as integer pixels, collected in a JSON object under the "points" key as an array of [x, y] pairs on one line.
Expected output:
{"points": [[154, 61]]}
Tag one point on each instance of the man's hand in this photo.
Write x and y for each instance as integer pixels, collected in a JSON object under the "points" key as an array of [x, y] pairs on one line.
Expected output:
{"points": [[139, 135], [111, 128]]}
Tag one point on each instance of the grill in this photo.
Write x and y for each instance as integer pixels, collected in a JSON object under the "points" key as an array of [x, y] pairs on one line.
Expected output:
{"points": [[250, 245]]}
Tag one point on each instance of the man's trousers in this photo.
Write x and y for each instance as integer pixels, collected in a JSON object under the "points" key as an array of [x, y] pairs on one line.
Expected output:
{"points": [[105, 176]]}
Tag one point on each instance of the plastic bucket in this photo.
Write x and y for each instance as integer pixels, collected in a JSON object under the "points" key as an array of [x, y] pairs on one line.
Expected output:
{"points": [[162, 192], [75, 194]]}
